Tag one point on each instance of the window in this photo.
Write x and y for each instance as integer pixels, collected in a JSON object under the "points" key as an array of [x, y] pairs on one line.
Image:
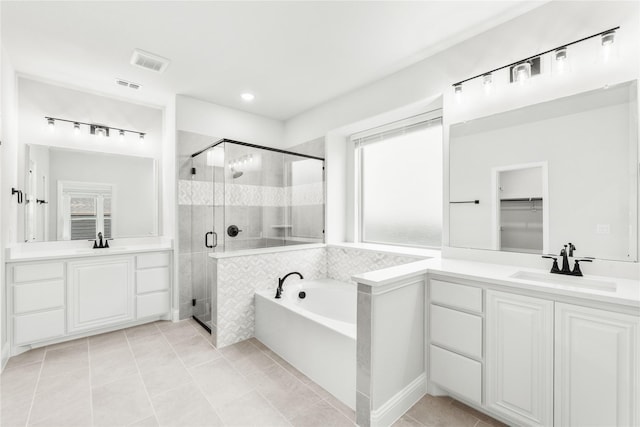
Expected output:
{"points": [[84, 210], [400, 187]]}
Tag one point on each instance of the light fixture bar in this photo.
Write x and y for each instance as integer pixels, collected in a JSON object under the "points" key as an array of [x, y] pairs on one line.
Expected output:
{"points": [[537, 55], [96, 125]]}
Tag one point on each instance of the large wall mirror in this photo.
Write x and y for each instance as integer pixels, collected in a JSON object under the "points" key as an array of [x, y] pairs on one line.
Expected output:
{"points": [[533, 179], [74, 195]]}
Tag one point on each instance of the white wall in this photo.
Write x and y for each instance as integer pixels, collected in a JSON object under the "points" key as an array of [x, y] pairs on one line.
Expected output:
{"points": [[205, 118], [8, 179], [549, 26]]}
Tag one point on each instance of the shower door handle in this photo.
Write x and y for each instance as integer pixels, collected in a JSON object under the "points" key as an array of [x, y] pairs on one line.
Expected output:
{"points": [[206, 239]]}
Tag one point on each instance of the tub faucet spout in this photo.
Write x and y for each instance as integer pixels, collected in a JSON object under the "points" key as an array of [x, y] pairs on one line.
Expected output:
{"points": [[281, 282]]}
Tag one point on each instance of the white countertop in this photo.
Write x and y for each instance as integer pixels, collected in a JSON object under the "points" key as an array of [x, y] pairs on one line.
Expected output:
{"points": [[627, 292], [79, 249]]}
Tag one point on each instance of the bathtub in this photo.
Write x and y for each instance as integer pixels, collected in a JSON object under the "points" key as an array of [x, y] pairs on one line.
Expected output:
{"points": [[317, 334]]}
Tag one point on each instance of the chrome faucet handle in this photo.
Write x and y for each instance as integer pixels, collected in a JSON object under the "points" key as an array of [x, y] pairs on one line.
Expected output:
{"points": [[572, 248]]}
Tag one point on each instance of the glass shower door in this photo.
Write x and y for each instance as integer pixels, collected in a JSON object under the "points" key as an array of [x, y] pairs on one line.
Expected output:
{"points": [[206, 190]]}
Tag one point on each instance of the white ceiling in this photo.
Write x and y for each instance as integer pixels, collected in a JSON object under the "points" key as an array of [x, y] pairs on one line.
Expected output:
{"points": [[292, 55]]}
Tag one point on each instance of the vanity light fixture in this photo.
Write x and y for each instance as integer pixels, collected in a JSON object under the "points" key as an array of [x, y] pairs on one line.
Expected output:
{"points": [[522, 69], [561, 59], [608, 37], [522, 72], [141, 138], [487, 82], [94, 129]]}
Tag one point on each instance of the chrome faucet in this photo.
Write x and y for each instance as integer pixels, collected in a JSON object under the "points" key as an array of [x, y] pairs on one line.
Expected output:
{"points": [[281, 282], [565, 253]]}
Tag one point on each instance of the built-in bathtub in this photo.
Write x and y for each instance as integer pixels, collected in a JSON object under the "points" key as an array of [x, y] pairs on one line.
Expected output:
{"points": [[316, 334]]}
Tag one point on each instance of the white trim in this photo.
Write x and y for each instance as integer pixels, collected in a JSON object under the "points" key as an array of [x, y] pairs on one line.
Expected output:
{"points": [[400, 403], [398, 124], [5, 356]]}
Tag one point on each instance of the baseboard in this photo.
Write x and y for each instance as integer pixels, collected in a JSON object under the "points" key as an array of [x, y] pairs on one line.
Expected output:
{"points": [[400, 403], [5, 356], [175, 315]]}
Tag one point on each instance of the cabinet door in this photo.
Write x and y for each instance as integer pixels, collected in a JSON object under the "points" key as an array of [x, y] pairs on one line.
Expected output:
{"points": [[519, 358], [597, 372], [101, 292]]}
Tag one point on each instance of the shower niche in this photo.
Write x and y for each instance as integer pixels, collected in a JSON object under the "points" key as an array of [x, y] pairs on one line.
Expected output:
{"points": [[243, 197]]}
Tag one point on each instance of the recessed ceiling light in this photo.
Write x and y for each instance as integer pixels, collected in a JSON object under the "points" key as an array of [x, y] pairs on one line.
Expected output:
{"points": [[248, 96]]}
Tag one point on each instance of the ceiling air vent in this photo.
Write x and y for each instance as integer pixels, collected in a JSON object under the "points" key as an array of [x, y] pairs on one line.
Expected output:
{"points": [[149, 61], [125, 83]]}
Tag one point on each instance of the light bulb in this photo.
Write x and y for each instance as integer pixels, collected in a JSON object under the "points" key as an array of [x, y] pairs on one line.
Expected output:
{"points": [[76, 128], [51, 123], [522, 72], [607, 40], [100, 132], [561, 59], [457, 89], [248, 97], [142, 137], [121, 135], [487, 82]]}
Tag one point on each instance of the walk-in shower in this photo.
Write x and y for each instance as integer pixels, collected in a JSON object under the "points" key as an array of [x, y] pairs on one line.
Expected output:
{"points": [[246, 196]]}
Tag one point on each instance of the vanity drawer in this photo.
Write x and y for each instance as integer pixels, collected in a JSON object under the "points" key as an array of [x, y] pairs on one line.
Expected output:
{"points": [[152, 280], [30, 328], [456, 373], [157, 259], [33, 272], [455, 295], [152, 304], [456, 330], [38, 296]]}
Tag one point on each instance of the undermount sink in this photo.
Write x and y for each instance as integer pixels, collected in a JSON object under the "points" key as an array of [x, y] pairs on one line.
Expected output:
{"points": [[558, 279]]}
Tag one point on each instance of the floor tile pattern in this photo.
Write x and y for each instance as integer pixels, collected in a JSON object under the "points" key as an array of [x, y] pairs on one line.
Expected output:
{"points": [[170, 374]]}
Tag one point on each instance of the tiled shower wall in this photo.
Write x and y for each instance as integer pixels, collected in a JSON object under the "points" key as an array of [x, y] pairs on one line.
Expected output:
{"points": [[245, 209], [238, 278]]}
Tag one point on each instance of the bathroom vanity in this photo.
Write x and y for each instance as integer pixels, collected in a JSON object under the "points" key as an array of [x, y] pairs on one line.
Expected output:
{"points": [[69, 294], [522, 345], [536, 356]]}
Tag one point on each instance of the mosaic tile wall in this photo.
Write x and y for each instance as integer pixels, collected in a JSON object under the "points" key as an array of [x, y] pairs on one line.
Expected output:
{"points": [[342, 263], [240, 277]]}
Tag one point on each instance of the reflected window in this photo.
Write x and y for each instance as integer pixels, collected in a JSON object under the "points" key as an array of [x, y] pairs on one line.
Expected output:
{"points": [[84, 210], [400, 188]]}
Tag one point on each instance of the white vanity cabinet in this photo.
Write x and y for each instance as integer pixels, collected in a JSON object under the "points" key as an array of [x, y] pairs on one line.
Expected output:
{"points": [[51, 301], [519, 357], [455, 335], [101, 292], [153, 282], [597, 364], [37, 301], [543, 362]]}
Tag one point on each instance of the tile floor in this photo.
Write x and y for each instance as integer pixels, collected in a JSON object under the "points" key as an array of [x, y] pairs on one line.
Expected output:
{"points": [[169, 374]]}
